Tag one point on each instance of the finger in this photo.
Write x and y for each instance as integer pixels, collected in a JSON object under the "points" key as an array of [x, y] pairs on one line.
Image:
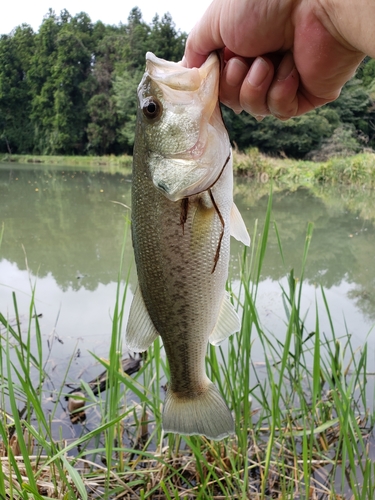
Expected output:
{"points": [[283, 97], [233, 75], [287, 97], [253, 93]]}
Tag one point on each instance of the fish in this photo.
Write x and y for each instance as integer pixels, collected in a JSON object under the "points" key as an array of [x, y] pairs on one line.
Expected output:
{"points": [[181, 221]]}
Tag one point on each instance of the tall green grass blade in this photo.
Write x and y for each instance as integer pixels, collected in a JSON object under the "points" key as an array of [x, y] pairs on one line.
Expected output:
{"points": [[263, 245], [280, 247], [316, 364], [76, 478], [30, 489], [18, 424]]}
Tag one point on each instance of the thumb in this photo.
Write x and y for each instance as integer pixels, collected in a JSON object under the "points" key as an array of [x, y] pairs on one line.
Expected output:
{"points": [[203, 39]]}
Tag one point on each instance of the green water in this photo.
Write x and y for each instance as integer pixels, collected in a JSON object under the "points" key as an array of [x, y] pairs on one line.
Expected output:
{"points": [[64, 233]]}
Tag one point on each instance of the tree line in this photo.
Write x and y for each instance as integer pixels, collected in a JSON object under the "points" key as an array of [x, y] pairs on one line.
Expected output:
{"points": [[70, 89]]}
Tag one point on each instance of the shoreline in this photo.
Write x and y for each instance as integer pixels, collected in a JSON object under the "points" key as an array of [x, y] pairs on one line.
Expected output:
{"points": [[350, 170], [70, 161]]}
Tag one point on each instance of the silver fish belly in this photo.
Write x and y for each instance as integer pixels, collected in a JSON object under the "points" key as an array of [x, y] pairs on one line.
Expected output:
{"points": [[182, 218]]}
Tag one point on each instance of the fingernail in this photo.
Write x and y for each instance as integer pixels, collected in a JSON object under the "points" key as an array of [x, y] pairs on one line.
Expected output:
{"points": [[281, 117], [258, 72], [285, 68], [259, 118], [235, 72]]}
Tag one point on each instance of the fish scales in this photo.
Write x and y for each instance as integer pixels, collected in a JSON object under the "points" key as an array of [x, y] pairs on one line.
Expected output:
{"points": [[182, 209], [170, 278]]}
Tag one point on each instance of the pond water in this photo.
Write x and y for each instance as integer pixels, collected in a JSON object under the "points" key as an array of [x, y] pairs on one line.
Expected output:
{"points": [[64, 234]]}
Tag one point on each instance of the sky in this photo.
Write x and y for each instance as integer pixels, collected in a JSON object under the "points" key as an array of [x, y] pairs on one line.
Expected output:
{"points": [[184, 14]]}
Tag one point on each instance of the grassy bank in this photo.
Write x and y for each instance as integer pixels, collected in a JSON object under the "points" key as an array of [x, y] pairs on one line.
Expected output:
{"points": [[352, 170], [303, 421], [104, 161]]}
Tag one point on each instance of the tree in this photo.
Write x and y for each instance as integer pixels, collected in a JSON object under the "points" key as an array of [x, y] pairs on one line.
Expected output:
{"points": [[59, 70], [294, 137], [125, 87], [16, 135], [103, 121], [71, 89], [102, 129], [366, 72], [137, 32], [164, 40]]}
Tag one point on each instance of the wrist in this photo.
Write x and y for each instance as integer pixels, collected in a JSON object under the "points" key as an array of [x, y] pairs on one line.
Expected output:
{"points": [[350, 23]]}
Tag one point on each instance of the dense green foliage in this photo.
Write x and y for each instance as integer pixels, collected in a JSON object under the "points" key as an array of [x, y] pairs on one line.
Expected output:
{"points": [[70, 89]]}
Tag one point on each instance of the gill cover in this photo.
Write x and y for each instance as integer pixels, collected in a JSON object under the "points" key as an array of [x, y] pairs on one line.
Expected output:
{"points": [[183, 133]]}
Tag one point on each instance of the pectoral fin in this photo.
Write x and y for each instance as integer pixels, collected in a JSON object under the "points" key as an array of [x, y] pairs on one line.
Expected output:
{"points": [[228, 322], [140, 331], [237, 226]]}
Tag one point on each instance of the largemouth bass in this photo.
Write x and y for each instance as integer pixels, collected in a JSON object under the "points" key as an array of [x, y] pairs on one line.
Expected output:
{"points": [[182, 218]]}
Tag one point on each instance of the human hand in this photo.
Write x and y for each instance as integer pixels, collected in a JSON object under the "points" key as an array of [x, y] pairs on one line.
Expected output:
{"points": [[283, 57]]}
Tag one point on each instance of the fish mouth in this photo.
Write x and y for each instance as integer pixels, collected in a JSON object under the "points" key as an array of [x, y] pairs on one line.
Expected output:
{"points": [[190, 178], [192, 171]]}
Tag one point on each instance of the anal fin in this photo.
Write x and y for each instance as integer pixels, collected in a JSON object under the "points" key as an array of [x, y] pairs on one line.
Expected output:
{"points": [[227, 323], [140, 330]]}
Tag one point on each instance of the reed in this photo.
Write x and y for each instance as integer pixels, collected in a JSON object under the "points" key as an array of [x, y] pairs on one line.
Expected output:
{"points": [[303, 421]]}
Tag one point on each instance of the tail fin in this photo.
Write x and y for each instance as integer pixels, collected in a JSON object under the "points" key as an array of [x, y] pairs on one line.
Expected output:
{"points": [[206, 414]]}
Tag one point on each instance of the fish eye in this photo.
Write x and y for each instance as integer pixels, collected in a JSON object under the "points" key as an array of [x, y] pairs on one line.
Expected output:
{"points": [[152, 108]]}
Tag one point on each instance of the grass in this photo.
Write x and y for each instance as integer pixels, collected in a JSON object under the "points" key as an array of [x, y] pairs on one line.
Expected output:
{"points": [[349, 170], [303, 421]]}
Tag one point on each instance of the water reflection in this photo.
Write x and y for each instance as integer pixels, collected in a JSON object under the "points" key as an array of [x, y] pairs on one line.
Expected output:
{"points": [[342, 247], [64, 223]]}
